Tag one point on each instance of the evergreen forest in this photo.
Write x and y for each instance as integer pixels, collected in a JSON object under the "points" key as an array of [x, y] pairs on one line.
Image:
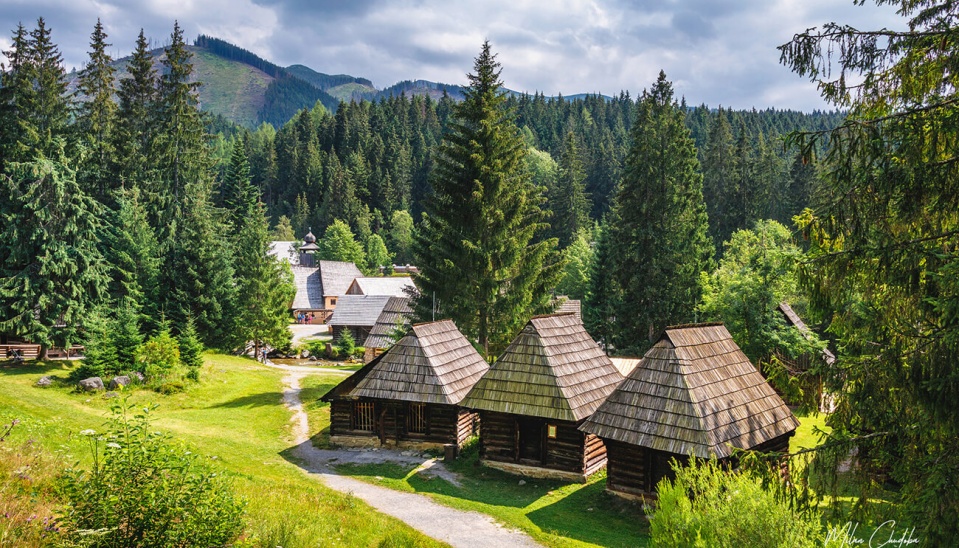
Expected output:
{"points": [[134, 222]]}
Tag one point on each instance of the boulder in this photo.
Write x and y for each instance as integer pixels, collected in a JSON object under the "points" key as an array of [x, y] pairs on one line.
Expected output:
{"points": [[92, 384], [109, 395], [118, 381], [44, 382], [305, 354], [140, 377]]}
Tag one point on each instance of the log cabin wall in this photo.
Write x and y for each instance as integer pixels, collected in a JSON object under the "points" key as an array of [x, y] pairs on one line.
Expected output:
{"points": [[570, 450], [636, 470], [443, 423]]}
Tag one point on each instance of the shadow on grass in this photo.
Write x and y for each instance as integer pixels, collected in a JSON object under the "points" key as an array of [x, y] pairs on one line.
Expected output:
{"points": [[34, 367], [592, 515], [384, 470], [263, 399]]}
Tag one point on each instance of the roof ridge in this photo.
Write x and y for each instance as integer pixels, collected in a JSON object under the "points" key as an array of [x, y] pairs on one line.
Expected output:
{"points": [[682, 359]]}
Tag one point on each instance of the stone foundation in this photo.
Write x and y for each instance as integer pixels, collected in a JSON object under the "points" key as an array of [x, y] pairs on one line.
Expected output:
{"points": [[534, 471], [373, 441]]}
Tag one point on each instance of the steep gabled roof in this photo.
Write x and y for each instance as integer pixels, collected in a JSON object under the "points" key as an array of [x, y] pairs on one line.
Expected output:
{"points": [[394, 286], [309, 288], [553, 369], [694, 392], [358, 310], [794, 320], [396, 314], [336, 277], [433, 363], [570, 306]]}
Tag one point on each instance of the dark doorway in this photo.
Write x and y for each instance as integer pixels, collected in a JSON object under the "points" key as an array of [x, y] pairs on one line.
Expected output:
{"points": [[530, 441]]}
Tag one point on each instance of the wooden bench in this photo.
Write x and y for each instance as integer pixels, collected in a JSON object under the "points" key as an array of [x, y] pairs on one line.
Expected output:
{"points": [[24, 351]]}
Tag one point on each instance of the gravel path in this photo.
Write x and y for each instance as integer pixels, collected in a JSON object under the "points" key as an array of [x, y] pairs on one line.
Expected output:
{"points": [[455, 527]]}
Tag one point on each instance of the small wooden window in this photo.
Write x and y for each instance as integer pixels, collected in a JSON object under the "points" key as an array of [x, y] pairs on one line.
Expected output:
{"points": [[363, 416], [416, 418], [332, 302], [551, 431]]}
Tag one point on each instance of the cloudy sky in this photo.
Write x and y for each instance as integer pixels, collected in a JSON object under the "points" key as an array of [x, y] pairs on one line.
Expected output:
{"points": [[718, 52]]}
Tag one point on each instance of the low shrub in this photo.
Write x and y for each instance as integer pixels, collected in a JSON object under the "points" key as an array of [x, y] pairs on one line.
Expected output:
{"points": [[144, 490], [706, 506], [346, 343]]}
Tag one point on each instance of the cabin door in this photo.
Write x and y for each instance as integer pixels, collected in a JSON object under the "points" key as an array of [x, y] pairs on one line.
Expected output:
{"points": [[529, 441]]}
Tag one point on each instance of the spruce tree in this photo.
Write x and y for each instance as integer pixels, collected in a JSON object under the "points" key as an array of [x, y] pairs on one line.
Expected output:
{"points": [[660, 229], [197, 278], [131, 251], [53, 274], [568, 198], [237, 192], [96, 118], [46, 109], [182, 149], [604, 295], [477, 251], [136, 116], [191, 349], [14, 87], [719, 182], [264, 287]]}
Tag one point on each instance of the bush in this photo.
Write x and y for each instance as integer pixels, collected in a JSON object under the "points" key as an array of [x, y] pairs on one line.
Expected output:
{"points": [[191, 349], [346, 343], [143, 490], [159, 357], [708, 507]]}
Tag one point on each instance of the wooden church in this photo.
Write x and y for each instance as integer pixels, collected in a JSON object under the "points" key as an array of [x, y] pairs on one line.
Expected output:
{"points": [[410, 395], [694, 393], [533, 398]]}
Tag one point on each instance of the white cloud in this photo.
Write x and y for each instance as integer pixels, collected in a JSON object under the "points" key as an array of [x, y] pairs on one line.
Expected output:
{"points": [[714, 51]]}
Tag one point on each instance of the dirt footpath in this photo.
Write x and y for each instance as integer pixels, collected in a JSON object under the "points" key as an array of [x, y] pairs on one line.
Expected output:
{"points": [[455, 527]]}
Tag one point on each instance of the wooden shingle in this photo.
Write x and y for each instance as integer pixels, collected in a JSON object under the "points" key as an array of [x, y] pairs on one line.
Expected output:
{"points": [[433, 363], [694, 392], [553, 369]]}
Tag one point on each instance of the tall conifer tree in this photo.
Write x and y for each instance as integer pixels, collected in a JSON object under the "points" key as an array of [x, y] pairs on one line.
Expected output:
{"points": [[478, 257], [660, 227], [182, 154], [135, 117], [568, 198], [54, 274], [96, 117]]}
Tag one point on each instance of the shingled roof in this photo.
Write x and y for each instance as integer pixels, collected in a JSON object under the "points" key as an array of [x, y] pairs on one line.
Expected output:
{"points": [[358, 310], [794, 320], [433, 363], [396, 313], [553, 369], [694, 392], [309, 289], [336, 277], [395, 286]]}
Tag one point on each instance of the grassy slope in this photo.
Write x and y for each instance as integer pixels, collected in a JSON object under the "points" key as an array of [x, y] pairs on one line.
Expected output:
{"points": [[344, 92], [234, 415], [233, 89]]}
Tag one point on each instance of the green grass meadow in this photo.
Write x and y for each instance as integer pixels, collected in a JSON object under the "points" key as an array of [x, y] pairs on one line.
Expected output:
{"points": [[235, 419]]}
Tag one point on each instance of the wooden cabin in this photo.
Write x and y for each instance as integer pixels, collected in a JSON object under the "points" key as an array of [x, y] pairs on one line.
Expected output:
{"points": [[693, 393], [320, 285], [394, 318], [550, 378], [805, 365], [358, 315], [410, 396]]}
